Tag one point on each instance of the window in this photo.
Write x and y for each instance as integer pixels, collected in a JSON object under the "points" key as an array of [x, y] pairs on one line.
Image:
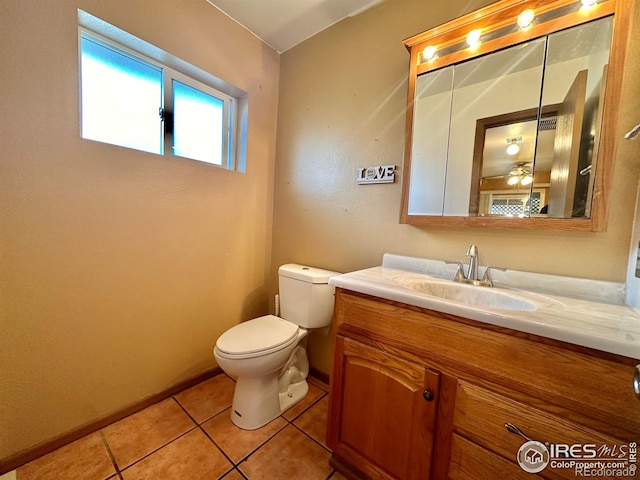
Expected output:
{"points": [[198, 124], [129, 98], [121, 99], [512, 204]]}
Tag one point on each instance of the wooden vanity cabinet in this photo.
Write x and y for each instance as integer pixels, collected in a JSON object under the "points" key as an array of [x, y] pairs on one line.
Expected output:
{"points": [[417, 394]]}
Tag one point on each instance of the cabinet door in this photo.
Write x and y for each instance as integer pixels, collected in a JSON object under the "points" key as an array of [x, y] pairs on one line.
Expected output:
{"points": [[383, 410]]}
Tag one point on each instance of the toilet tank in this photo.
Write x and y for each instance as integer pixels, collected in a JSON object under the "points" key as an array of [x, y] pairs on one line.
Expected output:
{"points": [[306, 298]]}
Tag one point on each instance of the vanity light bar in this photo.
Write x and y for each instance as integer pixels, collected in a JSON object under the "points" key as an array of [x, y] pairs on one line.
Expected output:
{"points": [[429, 53], [473, 39], [525, 20]]}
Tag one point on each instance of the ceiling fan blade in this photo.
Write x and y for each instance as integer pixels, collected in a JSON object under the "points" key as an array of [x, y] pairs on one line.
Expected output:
{"points": [[495, 176]]}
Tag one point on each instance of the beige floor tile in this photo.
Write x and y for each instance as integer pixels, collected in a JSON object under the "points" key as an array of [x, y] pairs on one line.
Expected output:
{"points": [[139, 434], [207, 398], [313, 395], [289, 454], [318, 383], [235, 442], [233, 475], [84, 459], [192, 456], [314, 421]]}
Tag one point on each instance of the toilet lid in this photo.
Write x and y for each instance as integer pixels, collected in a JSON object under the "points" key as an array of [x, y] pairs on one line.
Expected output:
{"points": [[257, 336]]}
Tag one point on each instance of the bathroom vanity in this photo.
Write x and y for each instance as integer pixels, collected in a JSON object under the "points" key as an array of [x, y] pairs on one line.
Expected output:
{"points": [[424, 384]]}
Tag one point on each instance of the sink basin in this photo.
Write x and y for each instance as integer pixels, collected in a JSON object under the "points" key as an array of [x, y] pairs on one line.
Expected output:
{"points": [[465, 294]]}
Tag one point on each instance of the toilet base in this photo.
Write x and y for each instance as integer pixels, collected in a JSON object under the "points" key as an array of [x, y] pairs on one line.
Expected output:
{"points": [[257, 401], [295, 393]]}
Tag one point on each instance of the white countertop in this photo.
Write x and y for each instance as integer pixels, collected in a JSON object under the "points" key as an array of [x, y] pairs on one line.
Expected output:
{"points": [[570, 314]]}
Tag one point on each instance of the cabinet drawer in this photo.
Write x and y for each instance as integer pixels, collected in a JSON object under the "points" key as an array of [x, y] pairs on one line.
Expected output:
{"points": [[471, 462], [481, 414]]}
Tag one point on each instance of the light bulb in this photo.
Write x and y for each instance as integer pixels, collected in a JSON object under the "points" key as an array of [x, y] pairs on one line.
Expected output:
{"points": [[589, 3], [512, 180], [429, 53], [526, 180], [513, 148], [473, 39], [525, 19]]}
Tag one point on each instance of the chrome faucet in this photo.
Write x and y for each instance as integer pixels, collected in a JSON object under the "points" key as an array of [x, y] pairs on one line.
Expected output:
{"points": [[472, 255], [472, 277]]}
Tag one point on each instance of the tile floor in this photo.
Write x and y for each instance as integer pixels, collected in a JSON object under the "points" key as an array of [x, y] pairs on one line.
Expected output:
{"points": [[190, 437]]}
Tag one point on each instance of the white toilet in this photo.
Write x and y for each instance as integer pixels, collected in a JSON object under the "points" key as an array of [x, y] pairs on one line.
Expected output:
{"points": [[266, 355]]}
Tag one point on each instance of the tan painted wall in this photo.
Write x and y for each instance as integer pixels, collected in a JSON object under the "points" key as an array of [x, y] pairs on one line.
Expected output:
{"points": [[119, 269], [342, 107]]}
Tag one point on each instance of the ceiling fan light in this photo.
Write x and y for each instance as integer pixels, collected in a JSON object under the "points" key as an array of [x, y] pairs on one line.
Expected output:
{"points": [[513, 148], [512, 180], [526, 180]]}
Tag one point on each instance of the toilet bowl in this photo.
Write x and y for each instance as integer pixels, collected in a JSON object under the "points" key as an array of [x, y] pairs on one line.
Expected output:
{"points": [[255, 352], [266, 355]]}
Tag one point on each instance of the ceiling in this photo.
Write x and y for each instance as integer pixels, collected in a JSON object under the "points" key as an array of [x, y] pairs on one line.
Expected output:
{"points": [[496, 160], [283, 24]]}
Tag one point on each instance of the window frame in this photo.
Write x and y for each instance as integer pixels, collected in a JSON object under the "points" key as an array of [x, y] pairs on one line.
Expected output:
{"points": [[234, 128], [229, 114]]}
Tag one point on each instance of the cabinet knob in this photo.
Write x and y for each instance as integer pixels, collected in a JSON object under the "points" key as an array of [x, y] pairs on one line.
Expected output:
{"points": [[427, 395], [636, 382]]}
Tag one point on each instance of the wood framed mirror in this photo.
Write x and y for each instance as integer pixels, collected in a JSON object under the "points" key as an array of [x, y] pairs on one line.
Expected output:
{"points": [[516, 130]]}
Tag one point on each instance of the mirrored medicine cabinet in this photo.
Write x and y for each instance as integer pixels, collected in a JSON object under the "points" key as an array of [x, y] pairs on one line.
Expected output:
{"points": [[512, 116]]}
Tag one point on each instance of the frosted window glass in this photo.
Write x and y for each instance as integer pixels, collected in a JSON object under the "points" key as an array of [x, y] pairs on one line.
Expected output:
{"points": [[198, 129], [121, 99]]}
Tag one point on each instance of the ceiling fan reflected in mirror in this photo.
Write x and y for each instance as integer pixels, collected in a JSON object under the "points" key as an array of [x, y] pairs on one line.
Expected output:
{"points": [[520, 173]]}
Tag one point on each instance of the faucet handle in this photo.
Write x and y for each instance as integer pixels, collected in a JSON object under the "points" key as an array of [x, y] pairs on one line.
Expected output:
{"points": [[459, 276], [486, 278]]}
